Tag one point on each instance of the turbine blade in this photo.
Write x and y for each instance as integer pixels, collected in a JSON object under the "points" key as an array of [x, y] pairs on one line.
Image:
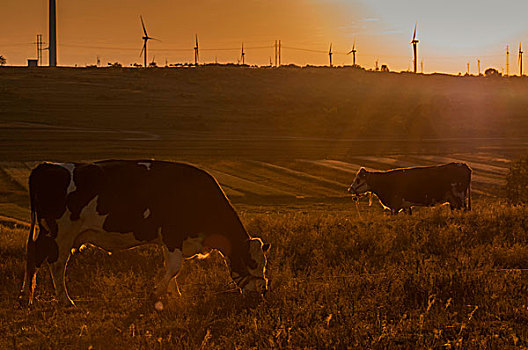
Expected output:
{"points": [[330, 50], [196, 40], [143, 25], [414, 35], [354, 46]]}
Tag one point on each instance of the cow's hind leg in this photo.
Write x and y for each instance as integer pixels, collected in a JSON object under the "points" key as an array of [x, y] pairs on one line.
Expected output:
{"points": [[173, 262]]}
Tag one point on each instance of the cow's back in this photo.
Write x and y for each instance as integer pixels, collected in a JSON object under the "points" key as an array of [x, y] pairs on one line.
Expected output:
{"points": [[146, 198], [153, 197], [425, 185]]}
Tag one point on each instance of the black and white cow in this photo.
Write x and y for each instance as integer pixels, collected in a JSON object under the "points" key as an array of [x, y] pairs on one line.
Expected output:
{"points": [[120, 204], [401, 189]]}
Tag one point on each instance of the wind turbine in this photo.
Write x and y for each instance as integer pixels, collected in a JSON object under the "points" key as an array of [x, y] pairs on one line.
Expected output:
{"points": [[146, 38], [243, 55], [520, 60], [507, 60], [196, 52], [353, 52], [330, 53], [414, 43]]}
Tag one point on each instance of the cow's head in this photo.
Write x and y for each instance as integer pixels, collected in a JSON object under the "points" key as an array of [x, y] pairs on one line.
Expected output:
{"points": [[251, 276], [360, 184]]}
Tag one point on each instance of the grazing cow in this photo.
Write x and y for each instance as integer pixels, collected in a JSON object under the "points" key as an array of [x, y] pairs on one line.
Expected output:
{"points": [[120, 204], [420, 186]]}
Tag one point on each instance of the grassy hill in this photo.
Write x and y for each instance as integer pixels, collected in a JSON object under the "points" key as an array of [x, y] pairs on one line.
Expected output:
{"points": [[233, 111]]}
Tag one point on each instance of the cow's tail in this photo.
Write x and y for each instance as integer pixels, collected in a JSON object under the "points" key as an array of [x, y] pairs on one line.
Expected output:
{"points": [[28, 285], [468, 192], [469, 196]]}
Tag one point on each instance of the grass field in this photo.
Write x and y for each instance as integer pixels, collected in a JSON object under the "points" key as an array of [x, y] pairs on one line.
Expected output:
{"points": [[284, 144], [432, 280]]}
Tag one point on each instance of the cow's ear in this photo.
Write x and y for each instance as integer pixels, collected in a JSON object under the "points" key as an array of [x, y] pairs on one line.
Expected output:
{"points": [[266, 247]]}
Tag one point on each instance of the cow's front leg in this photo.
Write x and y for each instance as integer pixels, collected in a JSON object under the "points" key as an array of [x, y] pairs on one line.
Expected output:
{"points": [[27, 292], [173, 262]]}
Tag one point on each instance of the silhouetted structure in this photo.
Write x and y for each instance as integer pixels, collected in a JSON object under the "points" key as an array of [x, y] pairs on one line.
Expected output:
{"points": [[507, 60], [52, 34], [146, 38], [280, 52], [196, 50], [492, 72], [353, 52], [520, 60], [330, 53], [40, 48], [414, 43]]}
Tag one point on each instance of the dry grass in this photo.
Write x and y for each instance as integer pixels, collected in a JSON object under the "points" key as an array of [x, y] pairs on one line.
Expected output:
{"points": [[431, 280]]}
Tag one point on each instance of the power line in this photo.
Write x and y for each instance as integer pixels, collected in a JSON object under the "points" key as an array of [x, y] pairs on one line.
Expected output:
{"points": [[165, 49]]}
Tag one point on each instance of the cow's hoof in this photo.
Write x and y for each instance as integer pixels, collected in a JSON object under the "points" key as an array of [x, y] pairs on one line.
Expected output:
{"points": [[67, 304], [23, 302], [174, 294]]}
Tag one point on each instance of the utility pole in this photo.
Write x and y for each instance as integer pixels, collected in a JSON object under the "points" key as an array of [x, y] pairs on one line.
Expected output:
{"points": [[478, 65], [421, 66], [520, 60], [52, 34], [280, 52], [40, 48], [276, 52], [467, 72]]}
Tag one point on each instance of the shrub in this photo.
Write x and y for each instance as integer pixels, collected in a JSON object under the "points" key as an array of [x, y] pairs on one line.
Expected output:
{"points": [[516, 188]]}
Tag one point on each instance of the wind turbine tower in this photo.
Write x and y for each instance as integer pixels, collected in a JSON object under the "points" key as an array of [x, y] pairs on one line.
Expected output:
{"points": [[243, 55], [52, 34], [520, 60], [507, 60], [414, 43], [145, 38], [330, 53], [196, 50], [353, 52]]}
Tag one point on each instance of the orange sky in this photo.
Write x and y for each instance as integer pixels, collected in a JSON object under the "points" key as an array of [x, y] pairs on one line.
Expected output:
{"points": [[451, 32]]}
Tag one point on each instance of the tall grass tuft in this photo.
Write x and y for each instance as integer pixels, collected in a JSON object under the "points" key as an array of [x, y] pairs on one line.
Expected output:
{"points": [[516, 188]]}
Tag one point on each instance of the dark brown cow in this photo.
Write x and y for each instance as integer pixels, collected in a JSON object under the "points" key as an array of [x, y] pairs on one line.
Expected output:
{"points": [[120, 204], [401, 189]]}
